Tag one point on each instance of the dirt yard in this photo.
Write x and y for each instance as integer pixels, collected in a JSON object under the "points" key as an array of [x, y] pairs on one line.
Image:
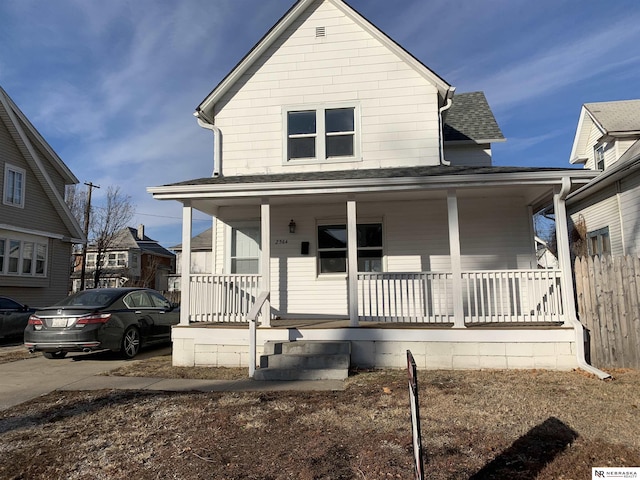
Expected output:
{"points": [[475, 425]]}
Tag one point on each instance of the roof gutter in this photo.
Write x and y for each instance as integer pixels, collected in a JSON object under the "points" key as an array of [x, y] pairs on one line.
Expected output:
{"points": [[448, 101], [569, 296], [207, 123]]}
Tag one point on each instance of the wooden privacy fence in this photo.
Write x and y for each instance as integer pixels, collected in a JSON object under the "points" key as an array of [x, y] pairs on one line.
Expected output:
{"points": [[608, 292]]}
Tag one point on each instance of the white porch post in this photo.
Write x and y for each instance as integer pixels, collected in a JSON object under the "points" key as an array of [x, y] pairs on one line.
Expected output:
{"points": [[265, 258], [352, 255], [456, 263], [564, 255], [214, 242], [185, 268]]}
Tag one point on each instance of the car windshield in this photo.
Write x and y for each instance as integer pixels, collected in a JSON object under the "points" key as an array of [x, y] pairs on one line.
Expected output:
{"points": [[93, 298]]}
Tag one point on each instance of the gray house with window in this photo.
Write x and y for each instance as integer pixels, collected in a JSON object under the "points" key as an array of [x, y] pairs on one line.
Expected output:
{"points": [[607, 141], [37, 230]]}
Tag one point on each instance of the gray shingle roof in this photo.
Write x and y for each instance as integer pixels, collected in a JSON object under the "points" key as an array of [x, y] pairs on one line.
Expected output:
{"points": [[620, 116], [470, 119], [202, 241], [428, 171]]}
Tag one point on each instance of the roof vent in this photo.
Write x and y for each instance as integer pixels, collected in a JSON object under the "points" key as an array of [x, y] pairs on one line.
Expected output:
{"points": [[321, 32]]}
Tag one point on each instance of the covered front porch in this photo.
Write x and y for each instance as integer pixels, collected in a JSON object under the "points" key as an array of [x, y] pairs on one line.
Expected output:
{"points": [[451, 268]]}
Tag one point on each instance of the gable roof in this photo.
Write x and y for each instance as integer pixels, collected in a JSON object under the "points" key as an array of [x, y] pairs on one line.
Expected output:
{"points": [[615, 119], [470, 119], [127, 238], [202, 241], [627, 164], [206, 106], [40, 156]]}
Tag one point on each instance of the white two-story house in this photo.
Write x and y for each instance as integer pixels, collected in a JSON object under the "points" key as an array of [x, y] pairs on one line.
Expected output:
{"points": [[607, 141], [353, 191]]}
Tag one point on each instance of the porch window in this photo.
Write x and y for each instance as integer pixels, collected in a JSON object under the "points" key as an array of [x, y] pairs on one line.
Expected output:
{"points": [[332, 248], [321, 134], [2, 244], [14, 184], [245, 250], [598, 242]]}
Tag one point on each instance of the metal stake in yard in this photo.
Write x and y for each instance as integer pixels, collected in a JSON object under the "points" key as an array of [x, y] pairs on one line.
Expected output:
{"points": [[415, 416]]}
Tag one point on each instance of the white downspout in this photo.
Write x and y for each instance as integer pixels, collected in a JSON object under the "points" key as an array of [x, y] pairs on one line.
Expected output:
{"points": [[564, 259], [217, 147], [441, 110]]}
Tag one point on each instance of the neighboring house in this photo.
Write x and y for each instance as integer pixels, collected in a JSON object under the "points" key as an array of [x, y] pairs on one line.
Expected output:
{"points": [[607, 141], [354, 191], [133, 260], [201, 258], [37, 230]]}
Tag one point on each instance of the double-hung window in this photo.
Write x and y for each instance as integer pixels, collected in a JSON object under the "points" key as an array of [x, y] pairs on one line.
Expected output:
{"points": [[321, 134], [332, 248], [599, 157], [14, 185], [245, 249]]}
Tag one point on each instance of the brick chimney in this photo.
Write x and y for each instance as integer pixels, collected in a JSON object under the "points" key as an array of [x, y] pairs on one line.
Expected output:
{"points": [[140, 232]]}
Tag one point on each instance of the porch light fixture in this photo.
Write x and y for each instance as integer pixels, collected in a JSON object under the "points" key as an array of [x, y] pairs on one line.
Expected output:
{"points": [[292, 226]]}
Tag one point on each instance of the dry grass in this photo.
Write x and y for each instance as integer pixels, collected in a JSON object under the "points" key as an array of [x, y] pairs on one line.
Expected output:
{"points": [[15, 353], [160, 367], [475, 425]]}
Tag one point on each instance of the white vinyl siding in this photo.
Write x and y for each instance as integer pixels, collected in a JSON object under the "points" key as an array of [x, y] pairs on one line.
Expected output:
{"points": [[630, 214], [415, 239], [398, 107], [600, 211]]}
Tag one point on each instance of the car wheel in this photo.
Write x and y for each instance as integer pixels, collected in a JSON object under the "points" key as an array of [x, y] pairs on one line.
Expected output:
{"points": [[54, 355], [130, 344]]}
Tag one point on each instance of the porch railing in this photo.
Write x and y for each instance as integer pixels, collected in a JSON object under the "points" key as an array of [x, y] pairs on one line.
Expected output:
{"points": [[506, 296], [222, 298], [498, 296], [425, 297], [512, 296]]}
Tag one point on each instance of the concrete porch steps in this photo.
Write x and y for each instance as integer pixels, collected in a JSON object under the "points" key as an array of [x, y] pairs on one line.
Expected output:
{"points": [[304, 360]]}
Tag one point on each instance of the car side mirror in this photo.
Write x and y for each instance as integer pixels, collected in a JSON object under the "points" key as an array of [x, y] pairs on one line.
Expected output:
{"points": [[174, 305]]}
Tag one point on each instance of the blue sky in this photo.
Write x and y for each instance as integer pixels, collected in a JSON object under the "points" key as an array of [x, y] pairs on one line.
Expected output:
{"points": [[112, 85]]}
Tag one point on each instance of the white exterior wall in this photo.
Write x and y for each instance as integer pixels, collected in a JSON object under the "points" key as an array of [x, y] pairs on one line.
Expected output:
{"points": [[600, 211], [630, 214], [399, 108], [468, 155], [594, 136], [495, 234]]}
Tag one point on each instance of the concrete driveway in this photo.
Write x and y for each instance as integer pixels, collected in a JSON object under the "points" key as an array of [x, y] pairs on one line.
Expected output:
{"points": [[26, 379]]}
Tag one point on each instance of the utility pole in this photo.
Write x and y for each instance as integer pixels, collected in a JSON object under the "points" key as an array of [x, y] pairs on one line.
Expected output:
{"points": [[87, 211]]}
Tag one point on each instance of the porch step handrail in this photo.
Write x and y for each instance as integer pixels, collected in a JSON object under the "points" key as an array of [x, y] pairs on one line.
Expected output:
{"points": [[252, 317]]}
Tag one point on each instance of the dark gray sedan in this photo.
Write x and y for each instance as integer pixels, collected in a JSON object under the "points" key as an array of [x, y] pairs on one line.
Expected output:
{"points": [[118, 319], [13, 317]]}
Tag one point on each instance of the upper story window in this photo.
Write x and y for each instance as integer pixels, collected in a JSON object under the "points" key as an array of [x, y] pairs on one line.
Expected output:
{"points": [[598, 242], [14, 185], [22, 257], [599, 157], [322, 134]]}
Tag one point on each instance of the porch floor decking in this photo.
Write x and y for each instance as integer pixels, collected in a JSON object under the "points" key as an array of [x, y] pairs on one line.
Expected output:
{"points": [[283, 324]]}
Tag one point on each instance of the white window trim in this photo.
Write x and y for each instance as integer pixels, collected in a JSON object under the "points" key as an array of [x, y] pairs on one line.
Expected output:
{"points": [[596, 153], [12, 168], [229, 227], [34, 260], [321, 134], [343, 221]]}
